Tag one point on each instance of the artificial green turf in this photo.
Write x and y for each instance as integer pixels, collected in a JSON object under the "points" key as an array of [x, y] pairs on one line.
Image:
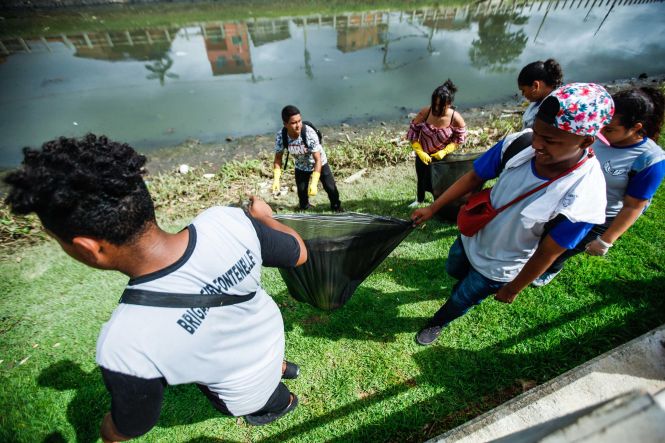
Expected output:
{"points": [[363, 377]]}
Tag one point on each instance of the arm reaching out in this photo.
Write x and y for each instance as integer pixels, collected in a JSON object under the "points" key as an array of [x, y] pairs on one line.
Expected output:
{"points": [[277, 172], [547, 252], [467, 183], [631, 211], [263, 213]]}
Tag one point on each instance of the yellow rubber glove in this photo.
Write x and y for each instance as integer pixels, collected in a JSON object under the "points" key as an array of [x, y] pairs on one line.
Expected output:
{"points": [[450, 147], [276, 174], [422, 155], [313, 184]]}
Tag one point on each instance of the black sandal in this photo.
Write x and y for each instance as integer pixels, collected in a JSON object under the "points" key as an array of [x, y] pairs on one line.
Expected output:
{"points": [[291, 372], [260, 420]]}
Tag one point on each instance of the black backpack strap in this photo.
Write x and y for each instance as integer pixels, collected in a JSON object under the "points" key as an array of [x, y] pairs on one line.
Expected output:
{"points": [[285, 146], [303, 134], [285, 139], [174, 300], [319, 135], [518, 145]]}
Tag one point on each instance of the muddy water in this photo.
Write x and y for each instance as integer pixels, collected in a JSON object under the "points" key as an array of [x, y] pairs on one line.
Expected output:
{"points": [[209, 81]]}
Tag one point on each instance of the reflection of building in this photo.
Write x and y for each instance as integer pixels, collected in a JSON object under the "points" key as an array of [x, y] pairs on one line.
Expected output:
{"points": [[148, 44], [360, 31], [447, 19], [141, 44], [144, 44], [268, 31], [227, 45]]}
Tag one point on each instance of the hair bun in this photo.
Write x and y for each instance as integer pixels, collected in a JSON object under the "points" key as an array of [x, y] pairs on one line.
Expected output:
{"points": [[448, 84]]}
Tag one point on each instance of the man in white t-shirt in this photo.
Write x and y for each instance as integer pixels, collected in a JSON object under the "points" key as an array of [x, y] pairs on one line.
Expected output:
{"points": [[301, 141], [90, 196], [518, 245]]}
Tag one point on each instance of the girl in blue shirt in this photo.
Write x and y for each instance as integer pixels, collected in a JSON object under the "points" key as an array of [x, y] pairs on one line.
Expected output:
{"points": [[633, 166]]}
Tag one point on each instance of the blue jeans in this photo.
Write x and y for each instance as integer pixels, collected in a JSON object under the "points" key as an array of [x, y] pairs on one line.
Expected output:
{"points": [[596, 231], [471, 289]]}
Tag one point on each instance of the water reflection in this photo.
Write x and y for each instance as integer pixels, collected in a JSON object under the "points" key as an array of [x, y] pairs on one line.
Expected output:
{"points": [[211, 76], [158, 69], [227, 46], [496, 46]]}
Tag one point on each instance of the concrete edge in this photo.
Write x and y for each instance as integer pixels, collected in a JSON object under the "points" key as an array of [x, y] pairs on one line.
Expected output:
{"points": [[517, 403]]}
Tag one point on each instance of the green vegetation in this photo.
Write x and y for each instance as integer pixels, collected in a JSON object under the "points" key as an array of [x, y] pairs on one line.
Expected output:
{"points": [[30, 23], [181, 196], [363, 377]]}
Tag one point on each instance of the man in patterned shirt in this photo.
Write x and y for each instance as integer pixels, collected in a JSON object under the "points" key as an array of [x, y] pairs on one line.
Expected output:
{"points": [[311, 163]]}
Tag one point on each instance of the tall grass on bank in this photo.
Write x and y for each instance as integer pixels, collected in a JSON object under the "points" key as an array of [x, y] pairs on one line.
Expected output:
{"points": [[178, 196]]}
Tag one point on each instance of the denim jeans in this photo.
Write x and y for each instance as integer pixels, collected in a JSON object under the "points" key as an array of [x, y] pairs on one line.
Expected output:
{"points": [[471, 288]]}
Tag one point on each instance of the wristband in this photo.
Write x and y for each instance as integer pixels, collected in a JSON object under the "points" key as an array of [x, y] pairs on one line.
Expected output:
{"points": [[603, 243]]}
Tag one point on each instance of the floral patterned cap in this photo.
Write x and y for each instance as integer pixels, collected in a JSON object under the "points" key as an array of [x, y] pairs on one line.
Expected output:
{"points": [[579, 108]]}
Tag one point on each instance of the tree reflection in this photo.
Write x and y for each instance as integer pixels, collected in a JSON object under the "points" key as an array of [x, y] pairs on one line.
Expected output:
{"points": [[496, 46], [308, 57], [159, 69]]}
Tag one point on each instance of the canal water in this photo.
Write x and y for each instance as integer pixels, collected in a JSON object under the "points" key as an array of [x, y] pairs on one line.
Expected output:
{"points": [[159, 86]]}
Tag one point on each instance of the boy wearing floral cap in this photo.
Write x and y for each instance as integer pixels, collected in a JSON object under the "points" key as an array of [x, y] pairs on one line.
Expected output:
{"points": [[515, 247]]}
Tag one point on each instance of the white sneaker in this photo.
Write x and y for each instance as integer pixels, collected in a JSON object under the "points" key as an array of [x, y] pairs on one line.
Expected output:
{"points": [[544, 279], [415, 204]]}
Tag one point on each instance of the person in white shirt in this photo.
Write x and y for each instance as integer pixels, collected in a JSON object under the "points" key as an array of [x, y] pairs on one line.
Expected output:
{"points": [[513, 249], [633, 165], [90, 196], [303, 142], [536, 81]]}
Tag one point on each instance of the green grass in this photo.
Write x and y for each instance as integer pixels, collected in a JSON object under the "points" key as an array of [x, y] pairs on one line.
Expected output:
{"points": [[363, 377]]}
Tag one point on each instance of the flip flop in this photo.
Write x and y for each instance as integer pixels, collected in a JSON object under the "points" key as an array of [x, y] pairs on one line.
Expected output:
{"points": [[291, 372]]}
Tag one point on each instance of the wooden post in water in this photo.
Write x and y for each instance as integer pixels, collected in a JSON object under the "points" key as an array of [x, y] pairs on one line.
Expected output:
{"points": [[3, 49], [87, 40], [24, 45], [109, 40], [66, 41], [168, 36], [129, 38], [148, 37], [45, 43]]}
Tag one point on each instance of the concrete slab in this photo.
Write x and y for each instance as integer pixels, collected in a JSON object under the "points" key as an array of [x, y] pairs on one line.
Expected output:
{"points": [[638, 365]]}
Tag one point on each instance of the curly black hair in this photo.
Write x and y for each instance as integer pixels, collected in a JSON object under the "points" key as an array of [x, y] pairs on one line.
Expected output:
{"points": [[84, 187]]}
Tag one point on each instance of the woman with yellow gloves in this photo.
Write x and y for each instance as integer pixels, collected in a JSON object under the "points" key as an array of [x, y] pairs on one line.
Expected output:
{"points": [[311, 164], [436, 131]]}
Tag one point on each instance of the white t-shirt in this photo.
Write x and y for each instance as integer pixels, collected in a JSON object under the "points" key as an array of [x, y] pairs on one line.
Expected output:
{"points": [[500, 250], [529, 116], [636, 170], [236, 350], [301, 153]]}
